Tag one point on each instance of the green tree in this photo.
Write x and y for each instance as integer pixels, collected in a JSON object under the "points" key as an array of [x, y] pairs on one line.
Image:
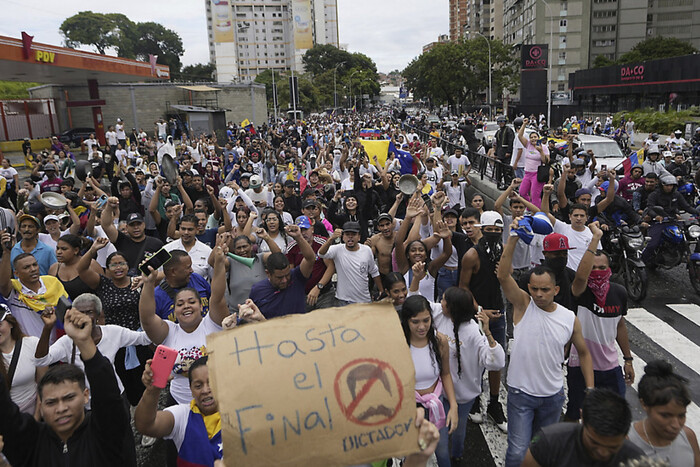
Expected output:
{"points": [[156, 39], [88, 28], [324, 57], [655, 48], [198, 72], [601, 61], [456, 73], [309, 99], [128, 39]]}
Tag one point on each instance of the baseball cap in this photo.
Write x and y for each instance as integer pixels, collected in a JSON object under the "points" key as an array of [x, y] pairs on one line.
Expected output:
{"points": [[491, 218], [556, 242], [30, 217], [50, 217], [245, 175], [289, 183], [309, 203], [455, 172], [50, 166], [303, 222], [134, 217], [384, 216], [226, 192], [255, 181], [351, 226]]}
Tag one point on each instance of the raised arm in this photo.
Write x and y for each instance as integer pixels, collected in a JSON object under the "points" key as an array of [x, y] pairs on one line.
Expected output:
{"points": [[86, 273], [189, 207], [609, 195], [521, 132], [445, 234], [5, 264], [218, 308], [307, 264], [515, 295], [156, 329], [107, 219], [498, 205], [150, 421]]}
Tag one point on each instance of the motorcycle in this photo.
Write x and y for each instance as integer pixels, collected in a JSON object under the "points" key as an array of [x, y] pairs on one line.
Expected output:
{"points": [[624, 244], [678, 239], [688, 189]]}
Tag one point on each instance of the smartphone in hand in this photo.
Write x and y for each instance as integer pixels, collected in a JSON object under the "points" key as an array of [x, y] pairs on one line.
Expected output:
{"points": [[162, 365], [161, 257], [61, 307]]}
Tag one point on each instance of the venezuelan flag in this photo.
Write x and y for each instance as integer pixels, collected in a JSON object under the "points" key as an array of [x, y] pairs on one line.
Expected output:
{"points": [[379, 148], [633, 159]]}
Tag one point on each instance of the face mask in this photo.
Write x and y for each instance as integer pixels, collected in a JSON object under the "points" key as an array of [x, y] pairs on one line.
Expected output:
{"points": [[556, 264], [599, 283], [492, 245]]}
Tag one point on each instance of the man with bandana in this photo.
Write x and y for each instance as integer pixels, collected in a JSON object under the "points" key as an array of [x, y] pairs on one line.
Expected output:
{"points": [[600, 307], [479, 277]]}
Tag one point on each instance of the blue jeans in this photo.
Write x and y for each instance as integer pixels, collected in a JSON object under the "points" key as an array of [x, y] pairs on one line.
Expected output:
{"points": [[526, 415], [446, 279], [610, 379], [520, 173], [498, 329], [458, 436]]}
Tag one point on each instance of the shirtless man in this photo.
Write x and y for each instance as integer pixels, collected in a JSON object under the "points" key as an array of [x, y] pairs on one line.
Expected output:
{"points": [[382, 243]]}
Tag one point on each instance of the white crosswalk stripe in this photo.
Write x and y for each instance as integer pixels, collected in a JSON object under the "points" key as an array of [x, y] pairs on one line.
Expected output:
{"points": [[656, 332]]}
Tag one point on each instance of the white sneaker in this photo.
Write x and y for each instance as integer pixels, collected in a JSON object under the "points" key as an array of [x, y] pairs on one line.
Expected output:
{"points": [[475, 413]]}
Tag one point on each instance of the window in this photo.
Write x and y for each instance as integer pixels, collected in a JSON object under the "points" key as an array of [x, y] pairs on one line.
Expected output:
{"points": [[561, 87], [605, 14], [562, 23], [562, 39], [605, 28], [562, 56], [604, 43]]}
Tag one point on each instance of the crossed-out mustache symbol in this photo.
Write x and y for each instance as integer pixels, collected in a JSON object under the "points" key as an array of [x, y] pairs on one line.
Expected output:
{"points": [[365, 372]]}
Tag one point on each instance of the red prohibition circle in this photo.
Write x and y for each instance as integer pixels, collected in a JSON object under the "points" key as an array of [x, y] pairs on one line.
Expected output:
{"points": [[349, 408]]}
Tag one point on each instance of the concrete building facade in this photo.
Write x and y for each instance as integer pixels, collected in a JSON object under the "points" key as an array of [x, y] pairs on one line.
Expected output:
{"points": [[141, 104], [247, 37]]}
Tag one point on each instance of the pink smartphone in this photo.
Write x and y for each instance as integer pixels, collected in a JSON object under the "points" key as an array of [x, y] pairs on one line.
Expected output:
{"points": [[162, 365]]}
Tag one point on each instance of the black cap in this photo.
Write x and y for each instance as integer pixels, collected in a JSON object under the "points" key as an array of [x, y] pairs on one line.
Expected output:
{"points": [[451, 212], [134, 217], [309, 203], [289, 183], [384, 216], [651, 175], [351, 226]]}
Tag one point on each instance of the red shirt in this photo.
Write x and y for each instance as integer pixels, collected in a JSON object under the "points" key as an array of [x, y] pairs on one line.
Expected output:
{"points": [[294, 256]]}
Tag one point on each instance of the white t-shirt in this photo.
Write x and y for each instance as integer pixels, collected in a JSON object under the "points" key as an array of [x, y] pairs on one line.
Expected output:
{"points": [[370, 169], [281, 240], [162, 128], [190, 346], [120, 131], [352, 268], [475, 354], [458, 163], [112, 139], [434, 177], [455, 194], [577, 240], [48, 239], [199, 253], [120, 154], [518, 145], [264, 195], [437, 153], [23, 391], [113, 338], [91, 143], [9, 174]]}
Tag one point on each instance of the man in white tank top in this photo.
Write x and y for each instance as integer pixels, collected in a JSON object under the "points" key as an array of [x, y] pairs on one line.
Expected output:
{"points": [[542, 329]]}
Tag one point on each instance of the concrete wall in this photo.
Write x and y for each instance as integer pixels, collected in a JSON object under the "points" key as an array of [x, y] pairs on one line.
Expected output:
{"points": [[141, 104]]}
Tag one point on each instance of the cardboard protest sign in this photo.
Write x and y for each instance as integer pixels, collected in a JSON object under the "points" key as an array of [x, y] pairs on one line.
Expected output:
{"points": [[331, 387]]}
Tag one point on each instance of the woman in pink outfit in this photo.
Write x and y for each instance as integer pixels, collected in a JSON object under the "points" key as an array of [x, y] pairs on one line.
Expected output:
{"points": [[535, 153]]}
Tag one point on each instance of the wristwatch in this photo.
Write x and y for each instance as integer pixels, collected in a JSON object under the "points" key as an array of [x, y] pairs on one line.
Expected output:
{"points": [[320, 286]]}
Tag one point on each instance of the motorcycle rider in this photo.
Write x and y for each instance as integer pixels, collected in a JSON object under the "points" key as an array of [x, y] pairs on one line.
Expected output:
{"points": [[641, 195], [678, 168], [652, 163], [662, 203], [677, 143], [631, 182]]}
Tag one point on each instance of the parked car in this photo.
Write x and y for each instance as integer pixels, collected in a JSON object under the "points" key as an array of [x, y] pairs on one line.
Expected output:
{"points": [[606, 150], [75, 136]]}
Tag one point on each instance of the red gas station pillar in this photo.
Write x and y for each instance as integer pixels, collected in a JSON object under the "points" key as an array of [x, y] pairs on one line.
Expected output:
{"points": [[94, 91]]}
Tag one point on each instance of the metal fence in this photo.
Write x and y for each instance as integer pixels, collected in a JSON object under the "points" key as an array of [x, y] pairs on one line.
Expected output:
{"points": [[487, 167], [32, 118]]}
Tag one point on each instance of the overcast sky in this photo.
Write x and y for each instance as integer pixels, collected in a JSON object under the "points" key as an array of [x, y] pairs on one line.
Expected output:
{"points": [[391, 32]]}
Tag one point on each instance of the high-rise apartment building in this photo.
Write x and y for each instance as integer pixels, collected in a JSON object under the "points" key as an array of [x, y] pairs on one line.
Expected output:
{"points": [[583, 29], [469, 17], [247, 37]]}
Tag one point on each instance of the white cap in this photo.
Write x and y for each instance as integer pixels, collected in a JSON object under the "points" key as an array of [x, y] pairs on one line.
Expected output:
{"points": [[226, 192], [491, 218], [255, 181], [50, 217]]}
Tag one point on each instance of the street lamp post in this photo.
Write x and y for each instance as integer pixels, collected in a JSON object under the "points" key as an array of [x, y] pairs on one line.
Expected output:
{"points": [[335, 92], [549, 71], [350, 81], [488, 42]]}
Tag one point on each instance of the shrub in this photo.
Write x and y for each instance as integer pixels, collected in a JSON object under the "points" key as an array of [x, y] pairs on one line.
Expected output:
{"points": [[653, 121]]}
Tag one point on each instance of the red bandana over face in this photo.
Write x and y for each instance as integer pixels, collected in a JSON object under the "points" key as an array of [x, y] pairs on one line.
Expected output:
{"points": [[599, 283]]}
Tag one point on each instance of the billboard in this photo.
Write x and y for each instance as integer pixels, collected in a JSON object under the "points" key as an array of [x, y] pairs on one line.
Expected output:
{"points": [[534, 57], [222, 20], [302, 24]]}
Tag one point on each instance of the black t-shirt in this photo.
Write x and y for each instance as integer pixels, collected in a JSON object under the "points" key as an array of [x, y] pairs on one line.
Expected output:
{"points": [[560, 444], [135, 252], [615, 302]]}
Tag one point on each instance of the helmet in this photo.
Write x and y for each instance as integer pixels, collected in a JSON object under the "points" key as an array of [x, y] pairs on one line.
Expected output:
{"points": [[518, 122], [686, 189], [668, 180], [654, 136], [501, 119], [678, 133], [673, 234]]}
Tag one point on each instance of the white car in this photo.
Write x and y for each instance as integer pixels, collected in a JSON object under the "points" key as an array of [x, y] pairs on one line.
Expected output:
{"points": [[488, 132], [606, 150]]}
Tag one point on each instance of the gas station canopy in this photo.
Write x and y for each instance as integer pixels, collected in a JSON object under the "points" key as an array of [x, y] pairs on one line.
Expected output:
{"points": [[25, 60]]}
